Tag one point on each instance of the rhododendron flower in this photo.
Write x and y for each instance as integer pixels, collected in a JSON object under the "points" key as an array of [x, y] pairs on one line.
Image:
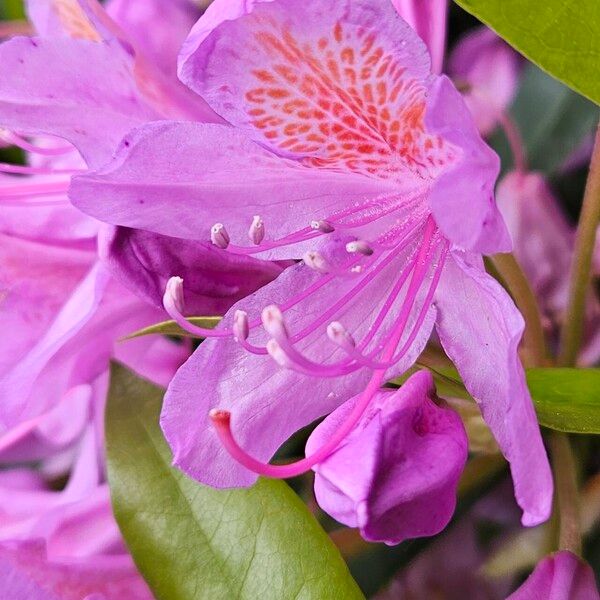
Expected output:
{"points": [[486, 69], [560, 576], [65, 544], [345, 150], [544, 244], [387, 477], [107, 77]]}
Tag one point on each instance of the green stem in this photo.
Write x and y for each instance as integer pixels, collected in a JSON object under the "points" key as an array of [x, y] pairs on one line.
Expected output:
{"points": [[571, 336], [534, 344], [589, 220], [567, 492]]}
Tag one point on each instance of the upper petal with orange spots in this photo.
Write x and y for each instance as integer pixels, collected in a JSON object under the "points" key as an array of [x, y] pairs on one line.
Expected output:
{"points": [[340, 85]]}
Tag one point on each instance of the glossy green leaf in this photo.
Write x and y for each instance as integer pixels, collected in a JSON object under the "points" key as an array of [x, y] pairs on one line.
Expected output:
{"points": [[560, 36], [553, 119], [565, 399], [171, 327], [193, 542]]}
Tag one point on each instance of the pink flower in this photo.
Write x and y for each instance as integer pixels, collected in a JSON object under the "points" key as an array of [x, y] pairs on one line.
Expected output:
{"points": [[106, 77], [487, 70], [386, 477], [345, 150], [560, 576]]}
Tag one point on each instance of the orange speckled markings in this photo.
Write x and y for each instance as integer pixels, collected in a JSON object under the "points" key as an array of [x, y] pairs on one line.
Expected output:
{"points": [[344, 103], [75, 21]]}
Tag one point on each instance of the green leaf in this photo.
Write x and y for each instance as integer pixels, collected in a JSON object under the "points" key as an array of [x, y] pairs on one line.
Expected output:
{"points": [[565, 399], [190, 541], [171, 328], [553, 120], [12, 9], [560, 36]]}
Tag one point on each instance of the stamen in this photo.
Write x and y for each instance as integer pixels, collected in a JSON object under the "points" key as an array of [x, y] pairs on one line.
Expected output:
{"points": [[27, 170], [241, 328], [360, 247], [28, 190], [219, 236], [256, 233], [272, 319], [16, 140], [174, 293], [222, 419], [340, 336], [322, 226], [173, 302], [314, 260]]}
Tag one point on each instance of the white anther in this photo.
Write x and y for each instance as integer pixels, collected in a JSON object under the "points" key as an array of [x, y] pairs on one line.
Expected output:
{"points": [[219, 236], [340, 336], [256, 233], [359, 247], [277, 354], [315, 261], [322, 226], [357, 269], [174, 294], [241, 329], [273, 322]]}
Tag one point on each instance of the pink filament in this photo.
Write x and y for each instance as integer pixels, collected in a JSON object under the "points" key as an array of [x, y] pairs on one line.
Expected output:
{"points": [[27, 170], [221, 419], [28, 190], [16, 140]]}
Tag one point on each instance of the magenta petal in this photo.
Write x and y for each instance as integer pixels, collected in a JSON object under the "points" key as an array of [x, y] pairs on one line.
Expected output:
{"points": [[214, 280], [80, 91], [428, 19], [16, 385], [480, 329], [489, 68], [179, 179], [462, 198], [387, 477], [560, 576], [27, 574]]}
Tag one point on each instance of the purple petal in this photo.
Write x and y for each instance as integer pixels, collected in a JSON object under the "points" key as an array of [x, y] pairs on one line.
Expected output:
{"points": [[428, 19], [81, 91], [27, 574], [214, 280], [560, 576], [297, 55], [179, 179], [387, 477], [462, 198], [489, 68], [480, 330]]}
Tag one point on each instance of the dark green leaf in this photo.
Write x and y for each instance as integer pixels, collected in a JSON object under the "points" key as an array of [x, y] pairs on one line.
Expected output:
{"points": [[171, 327], [560, 36], [193, 542], [552, 119]]}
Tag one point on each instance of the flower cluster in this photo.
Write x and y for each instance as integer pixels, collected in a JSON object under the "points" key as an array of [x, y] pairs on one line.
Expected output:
{"points": [[304, 169]]}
